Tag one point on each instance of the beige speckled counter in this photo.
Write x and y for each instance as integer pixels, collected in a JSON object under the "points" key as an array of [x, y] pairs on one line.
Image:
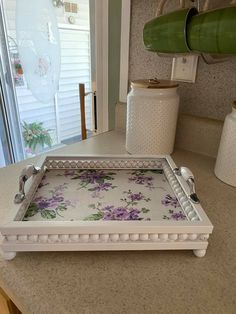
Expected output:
{"points": [[129, 282]]}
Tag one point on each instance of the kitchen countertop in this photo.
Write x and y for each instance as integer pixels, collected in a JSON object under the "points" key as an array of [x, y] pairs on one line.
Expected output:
{"points": [[135, 281]]}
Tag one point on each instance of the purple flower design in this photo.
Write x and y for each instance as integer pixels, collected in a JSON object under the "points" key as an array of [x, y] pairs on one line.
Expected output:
{"points": [[177, 216], [58, 198], [134, 214], [42, 203], [50, 207], [140, 177], [170, 201], [142, 180], [136, 196], [173, 215], [108, 208], [59, 189], [103, 187], [129, 211], [99, 180], [104, 216], [69, 173], [92, 176], [119, 213], [49, 203]]}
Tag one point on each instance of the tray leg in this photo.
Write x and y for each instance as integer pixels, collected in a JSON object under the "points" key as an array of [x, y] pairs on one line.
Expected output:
{"points": [[8, 255], [199, 253]]}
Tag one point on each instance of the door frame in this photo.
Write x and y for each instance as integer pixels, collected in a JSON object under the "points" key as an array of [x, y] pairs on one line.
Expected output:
{"points": [[102, 58], [124, 50], [102, 46]]}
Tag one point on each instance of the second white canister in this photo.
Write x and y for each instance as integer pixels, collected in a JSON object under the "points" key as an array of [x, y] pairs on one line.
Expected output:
{"points": [[225, 168], [152, 112]]}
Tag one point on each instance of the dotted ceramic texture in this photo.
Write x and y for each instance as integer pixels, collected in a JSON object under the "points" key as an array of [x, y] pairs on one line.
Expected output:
{"points": [[151, 123]]}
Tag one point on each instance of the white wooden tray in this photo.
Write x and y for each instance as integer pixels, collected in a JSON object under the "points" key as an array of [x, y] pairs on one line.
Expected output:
{"points": [[82, 203]]}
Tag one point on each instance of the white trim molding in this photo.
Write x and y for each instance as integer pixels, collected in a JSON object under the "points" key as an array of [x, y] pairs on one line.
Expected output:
{"points": [[124, 49], [101, 25]]}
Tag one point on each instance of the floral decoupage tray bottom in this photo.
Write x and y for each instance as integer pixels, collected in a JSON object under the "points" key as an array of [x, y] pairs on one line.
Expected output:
{"points": [[96, 195]]}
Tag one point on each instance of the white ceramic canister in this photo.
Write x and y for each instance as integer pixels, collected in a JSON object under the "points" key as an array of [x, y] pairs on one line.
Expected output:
{"points": [[152, 112], [225, 168]]}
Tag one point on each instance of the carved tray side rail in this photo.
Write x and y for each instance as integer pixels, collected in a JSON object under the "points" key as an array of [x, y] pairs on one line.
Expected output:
{"points": [[192, 234]]}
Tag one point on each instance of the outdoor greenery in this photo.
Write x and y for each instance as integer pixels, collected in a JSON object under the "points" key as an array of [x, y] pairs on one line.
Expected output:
{"points": [[34, 134]]}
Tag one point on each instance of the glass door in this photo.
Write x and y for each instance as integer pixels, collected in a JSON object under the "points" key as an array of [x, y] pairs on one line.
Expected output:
{"points": [[75, 67], [11, 143], [6, 152], [43, 123]]}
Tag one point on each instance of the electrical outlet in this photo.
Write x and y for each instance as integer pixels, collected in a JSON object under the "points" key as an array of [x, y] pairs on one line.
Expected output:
{"points": [[184, 69]]}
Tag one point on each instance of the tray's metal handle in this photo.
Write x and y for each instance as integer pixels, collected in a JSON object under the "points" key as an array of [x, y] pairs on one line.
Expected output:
{"points": [[189, 178], [26, 173]]}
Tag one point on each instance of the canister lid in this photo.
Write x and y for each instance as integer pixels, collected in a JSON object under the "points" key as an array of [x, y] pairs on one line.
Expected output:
{"points": [[154, 83]]}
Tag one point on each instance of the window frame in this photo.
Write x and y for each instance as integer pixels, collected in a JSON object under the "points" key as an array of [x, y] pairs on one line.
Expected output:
{"points": [[124, 50], [102, 60]]}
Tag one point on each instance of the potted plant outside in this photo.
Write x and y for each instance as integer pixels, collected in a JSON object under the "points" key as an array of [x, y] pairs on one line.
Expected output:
{"points": [[35, 137]]}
